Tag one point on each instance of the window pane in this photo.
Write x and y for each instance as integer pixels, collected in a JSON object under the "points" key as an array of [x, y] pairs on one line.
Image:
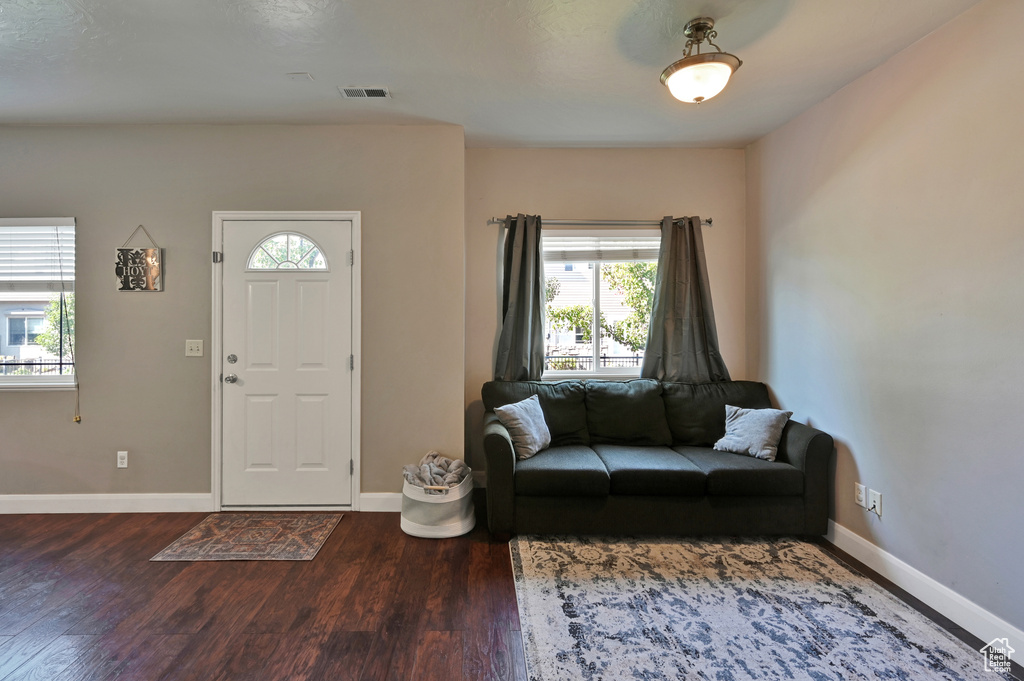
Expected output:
{"points": [[570, 317], [35, 327], [261, 260], [16, 329], [603, 280], [287, 252], [313, 260], [627, 293], [40, 334], [277, 247]]}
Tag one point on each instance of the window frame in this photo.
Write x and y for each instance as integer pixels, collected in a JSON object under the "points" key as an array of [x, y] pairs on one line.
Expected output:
{"points": [[49, 285], [609, 373]]}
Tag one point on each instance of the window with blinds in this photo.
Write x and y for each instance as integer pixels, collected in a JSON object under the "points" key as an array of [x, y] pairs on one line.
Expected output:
{"points": [[37, 254], [37, 302], [599, 285]]}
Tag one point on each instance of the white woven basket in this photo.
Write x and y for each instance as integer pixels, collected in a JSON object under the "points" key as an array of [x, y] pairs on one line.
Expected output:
{"points": [[449, 514]]}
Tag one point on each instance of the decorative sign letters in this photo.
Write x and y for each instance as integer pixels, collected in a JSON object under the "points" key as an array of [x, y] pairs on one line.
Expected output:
{"points": [[139, 269]]}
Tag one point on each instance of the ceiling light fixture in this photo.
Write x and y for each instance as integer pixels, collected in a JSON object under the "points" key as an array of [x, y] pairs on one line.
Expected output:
{"points": [[698, 77]]}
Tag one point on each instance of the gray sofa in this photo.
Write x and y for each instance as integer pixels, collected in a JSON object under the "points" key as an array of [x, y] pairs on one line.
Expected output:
{"points": [[636, 457]]}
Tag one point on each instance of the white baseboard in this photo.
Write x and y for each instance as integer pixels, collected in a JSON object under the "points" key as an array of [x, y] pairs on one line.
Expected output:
{"points": [[155, 503], [105, 503], [390, 502], [969, 615]]}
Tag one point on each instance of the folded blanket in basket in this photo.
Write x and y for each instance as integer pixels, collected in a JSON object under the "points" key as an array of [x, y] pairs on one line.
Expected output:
{"points": [[437, 470]]}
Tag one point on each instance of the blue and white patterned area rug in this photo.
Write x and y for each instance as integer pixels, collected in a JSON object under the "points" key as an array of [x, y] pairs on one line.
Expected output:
{"points": [[722, 609]]}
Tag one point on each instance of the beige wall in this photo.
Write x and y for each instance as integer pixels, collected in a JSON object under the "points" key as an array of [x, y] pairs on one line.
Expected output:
{"points": [[886, 296], [139, 392], [613, 184]]}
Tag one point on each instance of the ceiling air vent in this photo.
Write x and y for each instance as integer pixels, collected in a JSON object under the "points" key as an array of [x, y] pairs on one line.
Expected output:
{"points": [[365, 92]]}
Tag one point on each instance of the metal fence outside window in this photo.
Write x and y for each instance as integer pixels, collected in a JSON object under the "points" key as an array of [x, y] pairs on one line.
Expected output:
{"points": [[55, 368], [586, 362]]}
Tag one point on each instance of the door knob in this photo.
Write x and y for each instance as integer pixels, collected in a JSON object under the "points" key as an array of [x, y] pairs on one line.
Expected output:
{"points": [[230, 378]]}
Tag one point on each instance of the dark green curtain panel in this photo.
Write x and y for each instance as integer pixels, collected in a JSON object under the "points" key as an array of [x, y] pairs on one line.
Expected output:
{"points": [[682, 343], [520, 354]]}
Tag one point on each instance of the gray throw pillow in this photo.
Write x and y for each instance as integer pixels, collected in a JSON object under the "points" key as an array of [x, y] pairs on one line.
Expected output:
{"points": [[755, 432], [525, 423]]}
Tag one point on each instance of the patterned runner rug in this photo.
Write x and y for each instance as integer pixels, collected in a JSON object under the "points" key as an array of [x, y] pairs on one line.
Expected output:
{"points": [[730, 609], [253, 536]]}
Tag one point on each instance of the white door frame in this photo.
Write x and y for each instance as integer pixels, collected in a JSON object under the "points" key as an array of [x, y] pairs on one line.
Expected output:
{"points": [[217, 336]]}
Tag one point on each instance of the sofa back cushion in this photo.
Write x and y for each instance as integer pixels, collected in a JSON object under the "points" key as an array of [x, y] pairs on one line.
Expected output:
{"points": [[696, 411], [627, 413], [562, 403]]}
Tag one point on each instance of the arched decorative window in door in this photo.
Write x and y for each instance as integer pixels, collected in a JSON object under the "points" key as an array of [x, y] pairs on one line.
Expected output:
{"points": [[287, 251]]}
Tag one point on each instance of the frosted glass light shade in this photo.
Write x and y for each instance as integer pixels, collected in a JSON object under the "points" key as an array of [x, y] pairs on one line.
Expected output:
{"points": [[700, 77]]}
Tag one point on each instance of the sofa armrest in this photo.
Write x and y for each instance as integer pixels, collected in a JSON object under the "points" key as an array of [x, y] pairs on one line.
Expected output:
{"points": [[501, 466], [809, 449]]}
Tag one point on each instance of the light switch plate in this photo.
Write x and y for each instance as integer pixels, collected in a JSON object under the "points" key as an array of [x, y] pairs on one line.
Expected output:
{"points": [[193, 348]]}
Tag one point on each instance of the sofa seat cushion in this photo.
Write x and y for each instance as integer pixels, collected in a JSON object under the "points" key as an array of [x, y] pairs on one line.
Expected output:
{"points": [[650, 471], [562, 404], [627, 413], [569, 471], [734, 475], [696, 411]]}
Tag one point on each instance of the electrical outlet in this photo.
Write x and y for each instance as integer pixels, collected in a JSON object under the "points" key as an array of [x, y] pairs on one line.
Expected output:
{"points": [[193, 348], [875, 502], [860, 495], [122, 459]]}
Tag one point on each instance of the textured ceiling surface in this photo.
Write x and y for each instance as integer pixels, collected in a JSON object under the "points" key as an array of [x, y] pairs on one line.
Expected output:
{"points": [[512, 72]]}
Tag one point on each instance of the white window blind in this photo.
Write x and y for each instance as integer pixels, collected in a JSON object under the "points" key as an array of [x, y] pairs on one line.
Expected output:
{"points": [[590, 248], [37, 254]]}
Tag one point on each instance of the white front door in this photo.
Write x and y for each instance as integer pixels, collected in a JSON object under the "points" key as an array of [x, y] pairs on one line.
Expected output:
{"points": [[286, 362]]}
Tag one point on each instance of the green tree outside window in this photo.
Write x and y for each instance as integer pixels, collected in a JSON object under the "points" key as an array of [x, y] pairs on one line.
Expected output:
{"points": [[50, 338], [635, 281]]}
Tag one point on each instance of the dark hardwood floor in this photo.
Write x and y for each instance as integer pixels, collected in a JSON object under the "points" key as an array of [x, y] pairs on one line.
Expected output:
{"points": [[80, 600]]}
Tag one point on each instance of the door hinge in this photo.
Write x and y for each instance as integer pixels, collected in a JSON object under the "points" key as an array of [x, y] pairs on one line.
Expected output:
{"points": [[351, 257], [351, 361], [351, 467], [218, 256]]}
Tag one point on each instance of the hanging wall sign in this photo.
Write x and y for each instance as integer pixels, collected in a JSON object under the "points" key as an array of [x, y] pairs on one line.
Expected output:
{"points": [[139, 269]]}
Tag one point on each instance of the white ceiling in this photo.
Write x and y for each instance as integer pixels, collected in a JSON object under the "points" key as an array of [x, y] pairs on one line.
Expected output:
{"points": [[512, 72]]}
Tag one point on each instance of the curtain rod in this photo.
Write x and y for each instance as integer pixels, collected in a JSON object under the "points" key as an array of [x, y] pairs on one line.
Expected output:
{"points": [[598, 223]]}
